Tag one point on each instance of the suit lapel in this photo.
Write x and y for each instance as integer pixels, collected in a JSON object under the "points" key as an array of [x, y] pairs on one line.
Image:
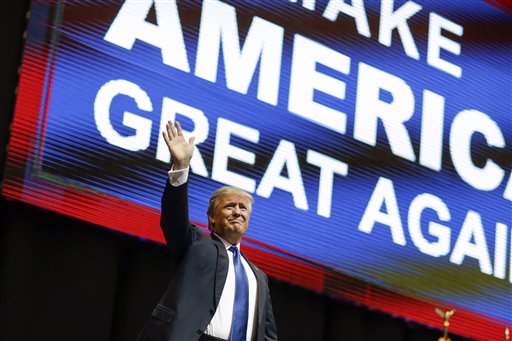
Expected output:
{"points": [[222, 268], [261, 289]]}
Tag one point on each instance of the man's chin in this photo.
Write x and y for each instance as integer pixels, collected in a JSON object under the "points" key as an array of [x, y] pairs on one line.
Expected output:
{"points": [[238, 227], [238, 231], [232, 236]]}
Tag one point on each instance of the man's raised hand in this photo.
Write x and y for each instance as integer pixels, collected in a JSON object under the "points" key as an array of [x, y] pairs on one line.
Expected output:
{"points": [[181, 150]]}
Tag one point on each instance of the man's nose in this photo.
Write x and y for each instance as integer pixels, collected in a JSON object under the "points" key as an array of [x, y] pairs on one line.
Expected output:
{"points": [[237, 211]]}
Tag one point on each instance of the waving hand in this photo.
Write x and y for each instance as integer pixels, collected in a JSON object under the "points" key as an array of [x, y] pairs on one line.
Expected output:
{"points": [[181, 150]]}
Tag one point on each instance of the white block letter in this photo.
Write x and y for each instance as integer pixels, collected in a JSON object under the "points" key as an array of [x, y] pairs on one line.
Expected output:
{"points": [[308, 4], [472, 229], [383, 194], [464, 125], [305, 80], [436, 42], [224, 150], [142, 126], [335, 7], [263, 44], [500, 250], [370, 108], [328, 167], [130, 24], [284, 156], [432, 123], [390, 20], [442, 233], [507, 194]]}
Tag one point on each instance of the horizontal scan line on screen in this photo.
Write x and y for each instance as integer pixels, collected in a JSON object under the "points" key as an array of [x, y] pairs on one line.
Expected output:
{"points": [[263, 48], [470, 242]]}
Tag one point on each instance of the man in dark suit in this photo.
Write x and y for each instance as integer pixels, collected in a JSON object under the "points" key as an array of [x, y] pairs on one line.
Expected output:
{"points": [[216, 293]]}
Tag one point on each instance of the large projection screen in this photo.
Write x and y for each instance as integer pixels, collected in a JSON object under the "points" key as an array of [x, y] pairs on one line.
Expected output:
{"points": [[375, 137]]}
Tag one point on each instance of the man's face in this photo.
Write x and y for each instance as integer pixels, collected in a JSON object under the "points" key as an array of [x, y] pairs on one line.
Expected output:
{"points": [[230, 218]]}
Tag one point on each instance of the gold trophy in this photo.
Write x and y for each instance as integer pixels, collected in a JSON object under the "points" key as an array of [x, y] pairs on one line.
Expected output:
{"points": [[445, 315]]}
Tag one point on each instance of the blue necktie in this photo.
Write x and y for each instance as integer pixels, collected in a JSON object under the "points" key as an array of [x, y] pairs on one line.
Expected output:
{"points": [[241, 309]]}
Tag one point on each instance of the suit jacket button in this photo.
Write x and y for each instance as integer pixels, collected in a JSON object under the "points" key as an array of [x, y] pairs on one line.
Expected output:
{"points": [[199, 332], [212, 312]]}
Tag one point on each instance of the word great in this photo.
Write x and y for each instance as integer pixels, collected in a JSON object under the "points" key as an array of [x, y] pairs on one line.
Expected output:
{"points": [[284, 157]]}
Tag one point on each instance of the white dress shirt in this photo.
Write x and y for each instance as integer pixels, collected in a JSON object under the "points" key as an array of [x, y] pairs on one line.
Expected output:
{"points": [[220, 325]]}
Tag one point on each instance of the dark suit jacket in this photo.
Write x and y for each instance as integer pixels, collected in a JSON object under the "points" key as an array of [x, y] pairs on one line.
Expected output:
{"points": [[190, 301]]}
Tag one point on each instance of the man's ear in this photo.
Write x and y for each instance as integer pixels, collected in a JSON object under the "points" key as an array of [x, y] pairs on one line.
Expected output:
{"points": [[211, 221]]}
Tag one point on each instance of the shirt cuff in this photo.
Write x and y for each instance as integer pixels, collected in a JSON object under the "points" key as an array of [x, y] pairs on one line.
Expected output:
{"points": [[178, 177]]}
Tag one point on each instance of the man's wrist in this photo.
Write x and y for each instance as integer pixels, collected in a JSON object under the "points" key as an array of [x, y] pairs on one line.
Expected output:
{"points": [[180, 165], [178, 177]]}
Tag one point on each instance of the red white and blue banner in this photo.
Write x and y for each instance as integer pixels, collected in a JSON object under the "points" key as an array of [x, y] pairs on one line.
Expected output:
{"points": [[375, 137]]}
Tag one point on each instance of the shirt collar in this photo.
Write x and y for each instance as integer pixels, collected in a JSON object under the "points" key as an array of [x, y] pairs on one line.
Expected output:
{"points": [[227, 244]]}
